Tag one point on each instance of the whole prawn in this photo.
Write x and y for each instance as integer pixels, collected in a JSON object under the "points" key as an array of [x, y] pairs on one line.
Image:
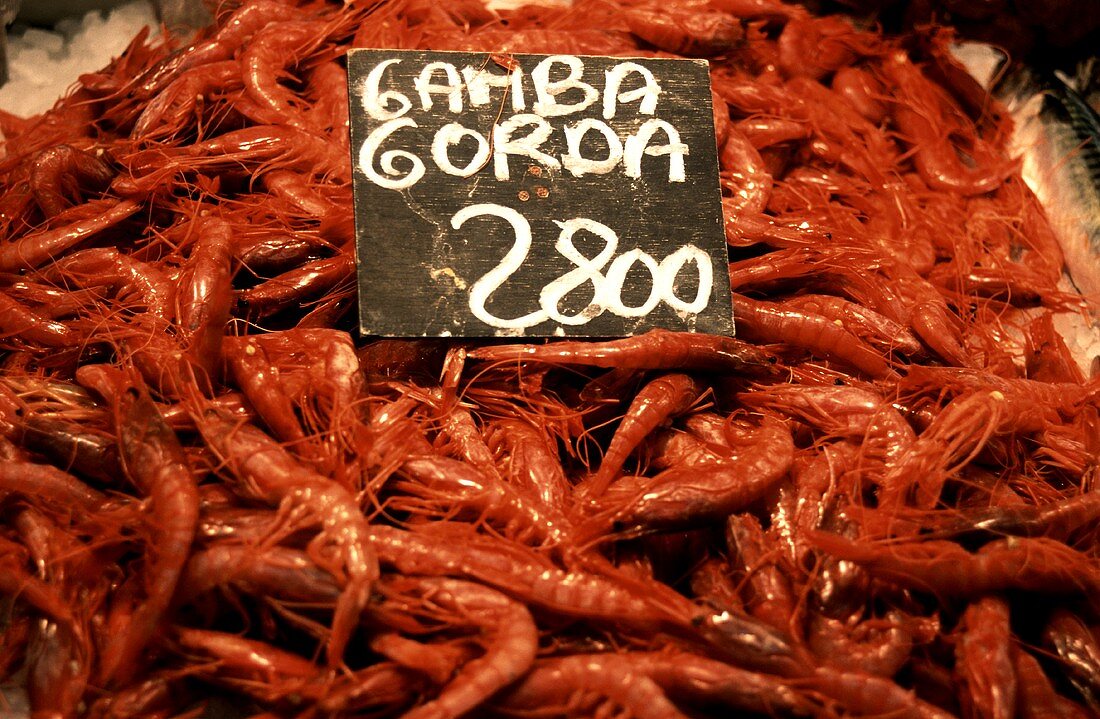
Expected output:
{"points": [[764, 322], [660, 399], [37, 248], [656, 349], [511, 642], [59, 173], [683, 496], [983, 660], [155, 462], [944, 568], [270, 474]]}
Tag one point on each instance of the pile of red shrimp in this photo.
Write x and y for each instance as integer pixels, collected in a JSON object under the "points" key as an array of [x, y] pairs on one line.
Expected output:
{"points": [[876, 500]]}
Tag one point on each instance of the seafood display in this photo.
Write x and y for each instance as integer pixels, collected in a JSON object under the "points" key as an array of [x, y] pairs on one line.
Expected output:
{"points": [[877, 499]]}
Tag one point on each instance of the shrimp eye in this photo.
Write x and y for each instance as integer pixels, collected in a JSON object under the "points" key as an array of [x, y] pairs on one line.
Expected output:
{"points": [[773, 360]]}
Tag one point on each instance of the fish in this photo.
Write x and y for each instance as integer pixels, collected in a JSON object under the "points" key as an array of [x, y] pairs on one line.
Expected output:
{"points": [[1056, 135]]}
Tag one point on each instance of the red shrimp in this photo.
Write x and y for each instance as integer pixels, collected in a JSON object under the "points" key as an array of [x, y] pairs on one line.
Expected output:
{"points": [[876, 647], [684, 32], [841, 411], [278, 572], [747, 96], [1048, 358], [768, 591], [764, 132], [743, 177], [956, 435], [59, 173], [530, 461], [911, 300], [465, 440], [870, 695], [1078, 652], [670, 448], [571, 41], [771, 10], [60, 554], [328, 90], [204, 292], [918, 114], [657, 402], [862, 91], [267, 255], [767, 322], [697, 680], [51, 301], [60, 663], [983, 663], [1033, 405], [40, 481], [259, 669], [251, 526], [721, 119], [270, 474], [873, 328], [107, 267], [944, 568], [1036, 697], [522, 574], [17, 582], [77, 448], [454, 485], [166, 115], [508, 631], [656, 349], [684, 496], [815, 47], [156, 464], [232, 33], [1055, 520], [747, 642], [19, 322], [588, 680], [37, 248], [299, 192], [291, 288], [263, 61], [298, 378], [256, 375], [257, 148]]}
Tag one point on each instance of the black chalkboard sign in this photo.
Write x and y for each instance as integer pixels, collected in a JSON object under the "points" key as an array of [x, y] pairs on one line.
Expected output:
{"points": [[535, 195]]}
